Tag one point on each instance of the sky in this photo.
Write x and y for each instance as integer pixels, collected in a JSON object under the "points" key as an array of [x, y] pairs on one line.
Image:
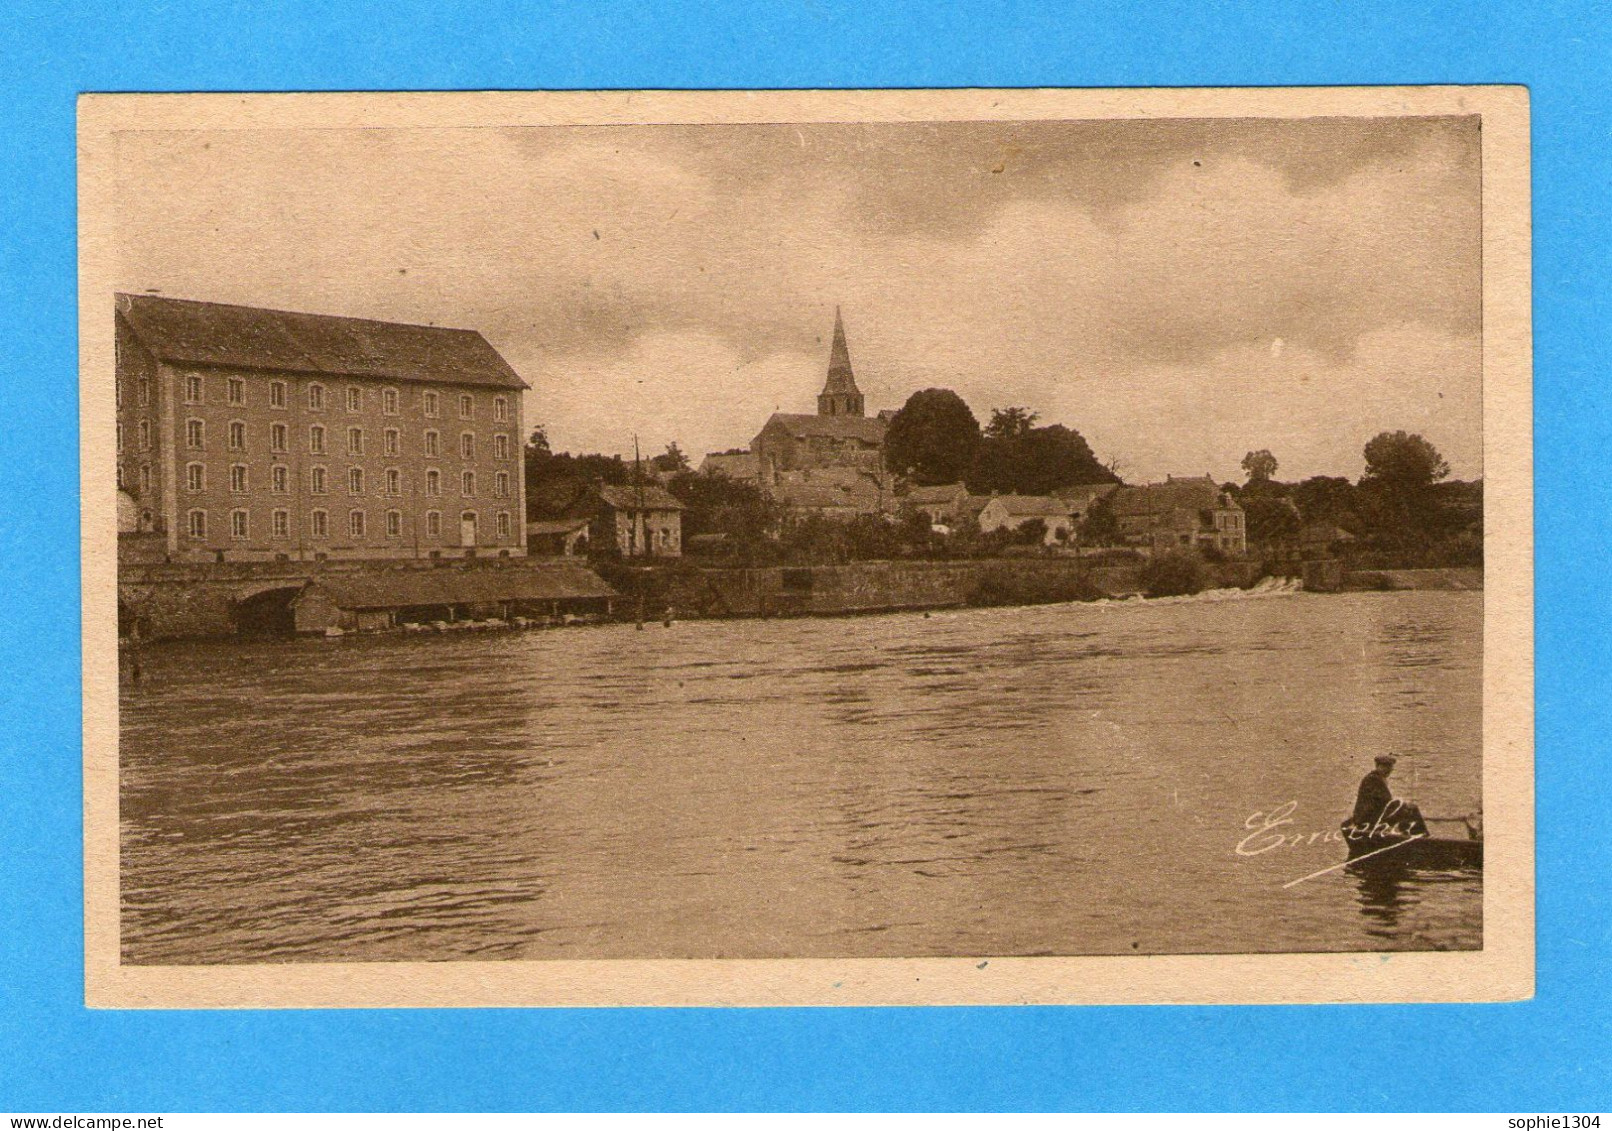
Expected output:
{"points": [[1179, 291]]}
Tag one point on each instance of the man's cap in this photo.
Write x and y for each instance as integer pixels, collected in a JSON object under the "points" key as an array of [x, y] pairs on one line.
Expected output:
{"points": [[1386, 759]]}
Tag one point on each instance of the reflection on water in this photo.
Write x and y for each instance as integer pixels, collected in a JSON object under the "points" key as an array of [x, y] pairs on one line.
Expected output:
{"points": [[1055, 780]]}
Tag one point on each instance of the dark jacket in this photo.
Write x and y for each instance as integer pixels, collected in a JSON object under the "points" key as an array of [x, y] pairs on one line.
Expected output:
{"points": [[1372, 799]]}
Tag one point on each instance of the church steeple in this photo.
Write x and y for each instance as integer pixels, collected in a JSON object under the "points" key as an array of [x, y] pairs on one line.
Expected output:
{"points": [[840, 396]]}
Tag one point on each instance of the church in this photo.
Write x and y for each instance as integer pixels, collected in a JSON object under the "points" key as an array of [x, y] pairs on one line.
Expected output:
{"points": [[839, 437]]}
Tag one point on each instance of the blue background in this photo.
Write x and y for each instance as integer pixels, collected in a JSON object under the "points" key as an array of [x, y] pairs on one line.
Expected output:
{"points": [[1551, 1053]]}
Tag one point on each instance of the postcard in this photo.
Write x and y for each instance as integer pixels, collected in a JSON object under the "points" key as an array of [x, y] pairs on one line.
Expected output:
{"points": [[807, 548]]}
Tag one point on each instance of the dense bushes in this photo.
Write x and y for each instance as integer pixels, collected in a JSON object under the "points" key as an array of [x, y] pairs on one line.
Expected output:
{"points": [[1174, 574]]}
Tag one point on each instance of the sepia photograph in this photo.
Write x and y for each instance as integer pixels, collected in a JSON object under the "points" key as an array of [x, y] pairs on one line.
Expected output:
{"points": [[840, 548]]}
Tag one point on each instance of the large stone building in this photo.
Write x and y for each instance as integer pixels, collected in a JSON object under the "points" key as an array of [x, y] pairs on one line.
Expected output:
{"points": [[839, 435], [1186, 513], [246, 434]]}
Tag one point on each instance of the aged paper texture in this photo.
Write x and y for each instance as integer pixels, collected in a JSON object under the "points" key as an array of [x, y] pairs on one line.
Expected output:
{"points": [[831, 548]]}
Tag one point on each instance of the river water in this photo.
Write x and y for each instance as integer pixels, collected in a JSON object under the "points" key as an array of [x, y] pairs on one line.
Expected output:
{"points": [[1070, 779]]}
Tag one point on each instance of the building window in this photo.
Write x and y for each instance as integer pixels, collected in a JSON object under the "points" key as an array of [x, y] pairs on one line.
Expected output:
{"points": [[500, 446], [467, 483], [316, 398], [145, 435], [145, 479], [117, 392], [319, 524], [119, 430], [316, 439], [238, 524], [316, 481], [355, 441], [237, 435], [389, 401], [277, 437], [276, 394], [391, 442], [503, 524], [433, 482], [433, 524], [500, 408], [237, 391], [143, 396], [467, 406], [501, 485], [195, 477], [355, 398], [196, 524], [355, 523], [195, 434], [280, 479], [394, 524], [430, 402], [467, 445], [237, 478], [467, 528], [193, 389], [394, 481], [433, 442], [355, 481], [120, 476], [280, 524]]}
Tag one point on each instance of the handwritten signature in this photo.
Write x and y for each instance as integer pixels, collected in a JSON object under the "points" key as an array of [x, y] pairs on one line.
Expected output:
{"points": [[1269, 832]]}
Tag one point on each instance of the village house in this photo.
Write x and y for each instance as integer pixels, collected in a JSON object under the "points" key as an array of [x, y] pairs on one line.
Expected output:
{"points": [[943, 505], [740, 466], [1185, 513], [561, 537], [1010, 512], [1081, 499], [246, 434], [643, 520], [839, 435]]}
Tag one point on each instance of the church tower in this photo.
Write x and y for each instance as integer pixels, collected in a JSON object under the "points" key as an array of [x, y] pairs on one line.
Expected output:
{"points": [[840, 396]]}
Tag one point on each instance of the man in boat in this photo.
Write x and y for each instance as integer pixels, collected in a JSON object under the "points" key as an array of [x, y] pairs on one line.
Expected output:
{"points": [[1378, 813]]}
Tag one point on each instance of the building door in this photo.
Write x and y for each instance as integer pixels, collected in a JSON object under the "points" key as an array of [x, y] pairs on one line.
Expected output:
{"points": [[467, 528]]}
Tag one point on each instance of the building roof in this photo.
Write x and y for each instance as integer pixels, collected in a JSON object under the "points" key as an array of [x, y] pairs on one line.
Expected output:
{"points": [[185, 332], [1085, 493], [840, 377], [398, 588], [649, 497], [868, 429], [555, 526], [1174, 494], [1030, 506], [823, 496], [947, 493], [734, 465]]}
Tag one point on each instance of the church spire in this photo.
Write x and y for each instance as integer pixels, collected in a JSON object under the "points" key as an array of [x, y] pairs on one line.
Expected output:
{"points": [[840, 396]]}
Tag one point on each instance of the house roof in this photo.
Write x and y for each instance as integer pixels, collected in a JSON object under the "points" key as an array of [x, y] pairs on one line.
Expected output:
{"points": [[399, 588], [1173, 494], [1085, 493], [868, 429], [947, 493], [649, 497], [735, 465], [825, 495], [1030, 506], [555, 526], [248, 337]]}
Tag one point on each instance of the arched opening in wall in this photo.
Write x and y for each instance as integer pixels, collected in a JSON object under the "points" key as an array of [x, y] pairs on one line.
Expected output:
{"points": [[268, 613]]}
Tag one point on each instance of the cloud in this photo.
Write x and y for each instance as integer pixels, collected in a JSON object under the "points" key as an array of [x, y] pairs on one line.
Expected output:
{"points": [[679, 280]]}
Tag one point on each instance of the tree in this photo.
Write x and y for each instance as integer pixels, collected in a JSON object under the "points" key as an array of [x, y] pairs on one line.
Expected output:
{"points": [[1006, 423], [1270, 519], [1260, 465], [672, 461], [934, 437], [1035, 462], [1325, 498], [1403, 463]]}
